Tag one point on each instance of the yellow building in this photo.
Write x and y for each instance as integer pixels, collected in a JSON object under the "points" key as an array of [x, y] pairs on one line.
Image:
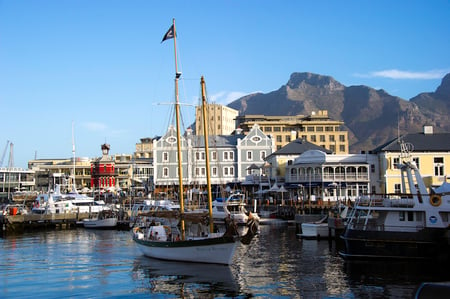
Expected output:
{"points": [[144, 149], [316, 128], [221, 120], [430, 152]]}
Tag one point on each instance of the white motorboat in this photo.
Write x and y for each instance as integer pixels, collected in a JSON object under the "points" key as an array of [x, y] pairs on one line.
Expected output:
{"points": [[316, 229], [413, 224], [57, 202], [232, 207], [103, 220]]}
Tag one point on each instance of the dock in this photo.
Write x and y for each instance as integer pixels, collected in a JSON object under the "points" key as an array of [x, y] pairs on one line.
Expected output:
{"points": [[11, 224]]}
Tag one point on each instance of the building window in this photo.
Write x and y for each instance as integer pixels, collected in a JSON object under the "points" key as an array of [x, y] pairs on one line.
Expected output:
{"points": [[276, 129], [279, 138], [165, 156], [249, 156], [439, 166], [214, 156], [200, 156], [214, 171], [310, 129], [342, 138], [313, 138], [372, 168], [333, 148], [228, 171], [165, 172], [395, 163], [288, 138], [342, 148], [329, 129], [228, 156], [397, 188], [331, 137], [267, 129], [262, 155], [322, 138], [319, 129]]}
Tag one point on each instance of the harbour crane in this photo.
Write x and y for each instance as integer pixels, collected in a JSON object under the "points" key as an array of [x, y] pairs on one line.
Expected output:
{"points": [[4, 153]]}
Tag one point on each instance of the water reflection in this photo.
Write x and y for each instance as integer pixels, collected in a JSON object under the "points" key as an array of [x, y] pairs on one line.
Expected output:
{"points": [[393, 278], [185, 279], [82, 263]]}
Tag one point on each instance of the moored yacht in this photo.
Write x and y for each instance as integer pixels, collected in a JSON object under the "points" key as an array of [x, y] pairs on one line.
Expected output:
{"points": [[413, 224]]}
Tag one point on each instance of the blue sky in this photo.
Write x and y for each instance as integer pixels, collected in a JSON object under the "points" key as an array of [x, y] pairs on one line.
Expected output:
{"points": [[101, 64]]}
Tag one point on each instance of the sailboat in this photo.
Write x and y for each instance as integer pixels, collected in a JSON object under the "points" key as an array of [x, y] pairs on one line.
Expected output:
{"points": [[198, 244]]}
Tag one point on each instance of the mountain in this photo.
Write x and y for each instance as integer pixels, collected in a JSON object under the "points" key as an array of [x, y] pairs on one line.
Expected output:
{"points": [[372, 117]]}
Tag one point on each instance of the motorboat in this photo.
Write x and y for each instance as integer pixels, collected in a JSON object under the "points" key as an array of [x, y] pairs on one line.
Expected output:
{"points": [[56, 202], [316, 229], [106, 219], [232, 207], [413, 224]]}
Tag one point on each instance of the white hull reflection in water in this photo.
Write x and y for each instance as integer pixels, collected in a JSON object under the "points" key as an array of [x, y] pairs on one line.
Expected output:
{"points": [[84, 263], [196, 278]]}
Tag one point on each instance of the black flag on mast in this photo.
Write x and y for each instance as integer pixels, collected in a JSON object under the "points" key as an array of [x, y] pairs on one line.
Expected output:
{"points": [[169, 34]]}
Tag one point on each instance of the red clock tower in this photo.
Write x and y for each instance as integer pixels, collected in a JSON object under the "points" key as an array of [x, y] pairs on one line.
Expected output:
{"points": [[103, 174]]}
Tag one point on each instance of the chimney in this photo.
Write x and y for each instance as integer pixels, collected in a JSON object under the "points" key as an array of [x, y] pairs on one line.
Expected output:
{"points": [[428, 130]]}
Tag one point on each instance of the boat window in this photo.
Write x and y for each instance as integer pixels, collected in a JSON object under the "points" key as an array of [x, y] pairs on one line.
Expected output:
{"points": [[402, 215], [418, 216], [410, 216]]}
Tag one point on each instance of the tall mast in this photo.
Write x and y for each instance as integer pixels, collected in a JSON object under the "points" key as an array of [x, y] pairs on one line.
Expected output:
{"points": [[208, 175], [73, 153], [177, 116]]}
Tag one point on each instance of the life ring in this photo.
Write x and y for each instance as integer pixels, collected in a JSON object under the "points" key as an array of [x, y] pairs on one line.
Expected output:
{"points": [[435, 200]]}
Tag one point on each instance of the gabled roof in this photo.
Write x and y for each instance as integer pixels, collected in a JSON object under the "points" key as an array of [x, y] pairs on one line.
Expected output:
{"points": [[216, 141], [298, 147], [432, 142]]}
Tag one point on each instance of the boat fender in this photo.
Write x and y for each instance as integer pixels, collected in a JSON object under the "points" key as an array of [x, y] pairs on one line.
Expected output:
{"points": [[435, 200]]}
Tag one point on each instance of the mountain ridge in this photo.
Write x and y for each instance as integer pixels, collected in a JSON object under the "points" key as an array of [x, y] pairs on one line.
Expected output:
{"points": [[371, 116]]}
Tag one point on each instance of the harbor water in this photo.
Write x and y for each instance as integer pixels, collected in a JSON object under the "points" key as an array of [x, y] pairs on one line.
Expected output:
{"points": [[80, 263]]}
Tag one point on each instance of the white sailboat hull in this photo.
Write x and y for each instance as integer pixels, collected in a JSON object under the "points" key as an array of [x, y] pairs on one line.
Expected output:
{"points": [[199, 251]]}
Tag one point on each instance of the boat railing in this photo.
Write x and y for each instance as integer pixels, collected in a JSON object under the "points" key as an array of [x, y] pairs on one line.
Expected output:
{"points": [[373, 226], [386, 200]]}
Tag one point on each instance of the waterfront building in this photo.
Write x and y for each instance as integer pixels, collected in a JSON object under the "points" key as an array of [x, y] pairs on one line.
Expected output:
{"points": [[49, 172], [279, 160], [103, 173], [90, 173], [144, 149], [316, 128], [221, 119], [230, 157], [430, 151], [15, 179], [318, 175]]}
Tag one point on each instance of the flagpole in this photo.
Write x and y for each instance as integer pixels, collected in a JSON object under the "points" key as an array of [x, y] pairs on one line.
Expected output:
{"points": [[177, 115]]}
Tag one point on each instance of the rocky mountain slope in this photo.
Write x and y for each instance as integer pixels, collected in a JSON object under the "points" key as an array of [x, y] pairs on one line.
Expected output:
{"points": [[371, 116]]}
